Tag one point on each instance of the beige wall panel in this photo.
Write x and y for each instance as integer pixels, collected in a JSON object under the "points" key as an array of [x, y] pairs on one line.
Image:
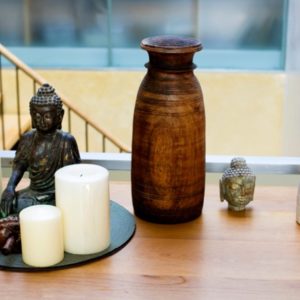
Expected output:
{"points": [[245, 112]]}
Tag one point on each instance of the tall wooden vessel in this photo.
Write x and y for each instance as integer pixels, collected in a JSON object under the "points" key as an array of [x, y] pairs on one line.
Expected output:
{"points": [[168, 146]]}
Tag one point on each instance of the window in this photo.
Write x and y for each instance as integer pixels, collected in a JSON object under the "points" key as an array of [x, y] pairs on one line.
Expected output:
{"points": [[248, 34]]}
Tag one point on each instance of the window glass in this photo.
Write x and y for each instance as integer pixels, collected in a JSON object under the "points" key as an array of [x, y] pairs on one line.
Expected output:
{"points": [[246, 24], [11, 23], [133, 20], [54, 23]]}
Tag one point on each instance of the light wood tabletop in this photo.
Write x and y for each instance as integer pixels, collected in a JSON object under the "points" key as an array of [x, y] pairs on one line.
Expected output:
{"points": [[222, 255]]}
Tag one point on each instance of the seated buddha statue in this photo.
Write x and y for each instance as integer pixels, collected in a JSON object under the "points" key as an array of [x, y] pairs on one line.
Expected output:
{"points": [[41, 151]]}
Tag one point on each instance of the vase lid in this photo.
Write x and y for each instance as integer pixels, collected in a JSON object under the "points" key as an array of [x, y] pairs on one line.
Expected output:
{"points": [[171, 44]]}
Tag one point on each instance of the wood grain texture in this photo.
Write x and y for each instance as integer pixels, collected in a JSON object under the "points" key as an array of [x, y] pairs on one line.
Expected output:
{"points": [[221, 255]]}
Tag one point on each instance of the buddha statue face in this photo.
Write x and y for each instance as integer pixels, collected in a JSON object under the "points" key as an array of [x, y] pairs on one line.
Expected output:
{"points": [[45, 118], [238, 191], [237, 185], [46, 110]]}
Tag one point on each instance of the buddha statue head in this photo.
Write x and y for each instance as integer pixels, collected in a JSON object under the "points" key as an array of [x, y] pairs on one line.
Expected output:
{"points": [[237, 185], [46, 109]]}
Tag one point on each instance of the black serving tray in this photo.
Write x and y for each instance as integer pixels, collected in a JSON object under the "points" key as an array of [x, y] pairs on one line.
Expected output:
{"points": [[122, 229]]}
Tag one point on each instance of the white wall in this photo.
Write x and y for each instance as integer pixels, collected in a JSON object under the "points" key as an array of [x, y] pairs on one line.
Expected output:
{"points": [[291, 129]]}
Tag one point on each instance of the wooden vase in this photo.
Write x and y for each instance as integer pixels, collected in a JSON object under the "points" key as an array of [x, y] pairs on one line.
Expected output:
{"points": [[168, 145]]}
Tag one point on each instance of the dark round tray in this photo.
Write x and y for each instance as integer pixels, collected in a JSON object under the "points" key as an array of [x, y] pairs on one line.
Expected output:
{"points": [[122, 230]]}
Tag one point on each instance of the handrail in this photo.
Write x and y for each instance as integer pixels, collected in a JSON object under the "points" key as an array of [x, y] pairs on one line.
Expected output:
{"points": [[37, 78]]}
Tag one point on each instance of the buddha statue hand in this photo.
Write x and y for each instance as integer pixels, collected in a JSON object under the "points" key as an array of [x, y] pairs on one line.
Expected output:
{"points": [[7, 200]]}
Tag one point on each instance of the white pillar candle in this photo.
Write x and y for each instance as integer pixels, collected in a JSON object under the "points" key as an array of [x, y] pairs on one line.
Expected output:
{"points": [[41, 235], [82, 194]]}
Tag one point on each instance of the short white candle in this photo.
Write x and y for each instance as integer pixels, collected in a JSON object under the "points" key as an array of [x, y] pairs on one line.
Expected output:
{"points": [[41, 235], [82, 194]]}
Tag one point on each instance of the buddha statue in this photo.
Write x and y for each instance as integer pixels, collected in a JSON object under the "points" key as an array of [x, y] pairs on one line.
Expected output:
{"points": [[41, 151], [237, 185]]}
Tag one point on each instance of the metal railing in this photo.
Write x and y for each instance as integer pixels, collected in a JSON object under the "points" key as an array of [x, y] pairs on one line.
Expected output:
{"points": [[71, 110]]}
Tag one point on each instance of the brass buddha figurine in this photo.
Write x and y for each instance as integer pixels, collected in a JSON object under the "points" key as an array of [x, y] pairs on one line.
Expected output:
{"points": [[41, 151], [237, 185]]}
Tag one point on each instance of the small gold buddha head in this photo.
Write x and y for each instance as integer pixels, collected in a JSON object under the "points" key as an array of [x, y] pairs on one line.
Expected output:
{"points": [[46, 109], [237, 184]]}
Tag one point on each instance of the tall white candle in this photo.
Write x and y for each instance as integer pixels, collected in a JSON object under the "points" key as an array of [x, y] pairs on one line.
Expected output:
{"points": [[82, 194], [41, 235]]}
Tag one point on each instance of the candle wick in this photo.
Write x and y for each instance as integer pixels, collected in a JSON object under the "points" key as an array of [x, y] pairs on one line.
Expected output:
{"points": [[80, 175]]}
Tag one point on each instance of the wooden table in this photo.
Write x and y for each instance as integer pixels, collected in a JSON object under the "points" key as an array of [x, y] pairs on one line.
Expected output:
{"points": [[222, 255]]}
